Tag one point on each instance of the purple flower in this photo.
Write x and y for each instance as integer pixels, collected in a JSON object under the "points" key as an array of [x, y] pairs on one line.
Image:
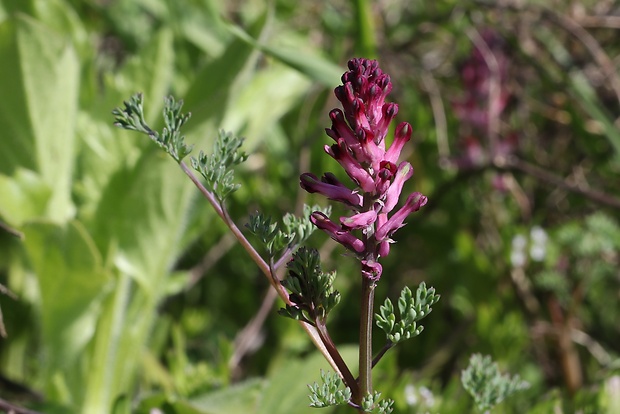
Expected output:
{"points": [[359, 221], [359, 131], [331, 188], [414, 202], [342, 236], [404, 172], [341, 153], [371, 269]]}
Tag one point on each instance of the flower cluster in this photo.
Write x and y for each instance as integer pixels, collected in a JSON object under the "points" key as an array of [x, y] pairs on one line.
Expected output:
{"points": [[476, 76], [478, 107], [359, 132]]}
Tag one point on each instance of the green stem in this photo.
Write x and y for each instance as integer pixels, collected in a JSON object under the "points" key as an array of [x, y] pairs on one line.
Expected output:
{"points": [[365, 353], [366, 44]]}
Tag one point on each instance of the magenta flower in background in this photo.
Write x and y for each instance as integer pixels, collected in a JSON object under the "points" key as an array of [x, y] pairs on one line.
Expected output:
{"points": [[483, 107], [359, 132]]}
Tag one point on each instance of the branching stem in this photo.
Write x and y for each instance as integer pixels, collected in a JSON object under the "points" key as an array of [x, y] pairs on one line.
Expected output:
{"points": [[316, 338]]}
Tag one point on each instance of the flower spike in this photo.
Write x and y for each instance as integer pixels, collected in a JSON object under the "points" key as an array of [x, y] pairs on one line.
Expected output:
{"points": [[359, 130]]}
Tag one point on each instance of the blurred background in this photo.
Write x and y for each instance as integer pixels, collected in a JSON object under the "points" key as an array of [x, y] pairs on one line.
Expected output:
{"points": [[122, 292]]}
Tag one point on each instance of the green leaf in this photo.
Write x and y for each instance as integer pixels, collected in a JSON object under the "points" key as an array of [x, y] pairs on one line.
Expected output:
{"points": [[484, 382], [410, 310], [287, 391], [216, 168], [39, 79], [276, 90], [138, 225], [310, 64], [24, 197], [240, 398], [208, 96], [312, 291], [586, 96], [329, 392], [72, 282]]}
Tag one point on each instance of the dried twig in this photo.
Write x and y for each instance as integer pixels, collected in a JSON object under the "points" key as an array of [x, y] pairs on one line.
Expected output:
{"points": [[515, 164], [14, 409], [439, 114], [11, 230]]}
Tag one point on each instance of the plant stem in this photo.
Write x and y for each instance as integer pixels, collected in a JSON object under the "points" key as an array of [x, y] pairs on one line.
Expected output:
{"points": [[365, 353], [346, 375], [11, 408], [264, 267], [389, 345]]}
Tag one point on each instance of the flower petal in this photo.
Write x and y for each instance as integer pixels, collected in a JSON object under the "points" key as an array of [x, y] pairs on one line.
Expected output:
{"points": [[414, 202], [353, 168], [371, 269], [359, 220], [334, 231], [404, 172], [401, 136], [330, 187]]}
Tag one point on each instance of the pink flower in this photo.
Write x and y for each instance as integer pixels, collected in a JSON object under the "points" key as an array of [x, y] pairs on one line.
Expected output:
{"points": [[359, 130], [340, 152], [414, 202], [331, 188], [336, 232], [402, 135], [371, 269], [404, 172], [360, 220]]}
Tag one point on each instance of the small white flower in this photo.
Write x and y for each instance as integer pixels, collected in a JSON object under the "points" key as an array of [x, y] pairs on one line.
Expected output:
{"points": [[410, 395], [538, 235], [538, 249], [537, 252], [517, 258], [518, 242], [427, 396]]}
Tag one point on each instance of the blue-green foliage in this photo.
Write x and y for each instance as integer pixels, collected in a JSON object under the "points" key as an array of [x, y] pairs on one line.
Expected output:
{"points": [[411, 310], [486, 385], [293, 232], [328, 393], [312, 291], [131, 117], [216, 168]]}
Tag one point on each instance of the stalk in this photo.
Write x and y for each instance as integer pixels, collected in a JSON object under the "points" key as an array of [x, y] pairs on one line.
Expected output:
{"points": [[365, 352]]}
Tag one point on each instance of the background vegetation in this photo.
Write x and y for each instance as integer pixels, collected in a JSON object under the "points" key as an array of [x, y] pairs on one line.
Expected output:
{"points": [[126, 293]]}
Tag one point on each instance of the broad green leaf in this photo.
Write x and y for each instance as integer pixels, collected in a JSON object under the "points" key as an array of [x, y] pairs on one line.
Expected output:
{"points": [[39, 79], [208, 96], [241, 398], [71, 279], [62, 18], [287, 390], [138, 225], [586, 96], [274, 91], [105, 148], [366, 43], [24, 197], [142, 214], [311, 64], [150, 72], [160, 403]]}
